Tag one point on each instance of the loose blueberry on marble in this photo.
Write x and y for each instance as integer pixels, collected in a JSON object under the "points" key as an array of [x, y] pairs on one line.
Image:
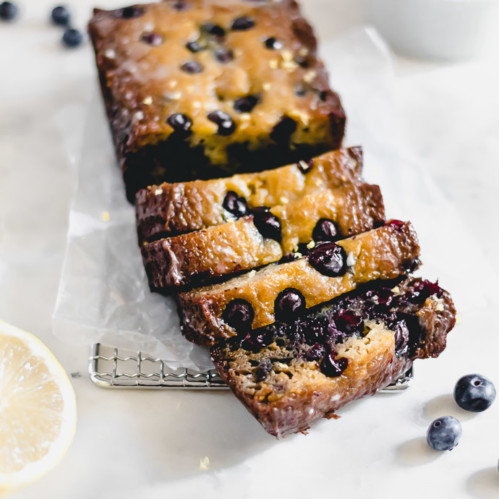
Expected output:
{"points": [[245, 104], [328, 259], [289, 304], [60, 15], [192, 67], [224, 55], [267, 223], [234, 204], [474, 393], [273, 43], [225, 124], [444, 433], [180, 122], [154, 39], [72, 38], [239, 314], [325, 230], [243, 23], [8, 11]]}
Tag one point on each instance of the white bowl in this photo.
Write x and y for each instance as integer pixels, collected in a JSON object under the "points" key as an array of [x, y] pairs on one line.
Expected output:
{"points": [[441, 29]]}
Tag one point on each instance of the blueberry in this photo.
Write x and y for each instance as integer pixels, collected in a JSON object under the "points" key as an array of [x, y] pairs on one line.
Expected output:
{"points": [[180, 5], [474, 393], [235, 204], [267, 224], [302, 61], [288, 304], [262, 371], [348, 321], [246, 104], [225, 124], [316, 352], [273, 43], [444, 433], [192, 67], [243, 23], [239, 314], [8, 11], [195, 46], [181, 123], [60, 15], [325, 230], [224, 55], [257, 340], [333, 367], [402, 336], [213, 30], [328, 259], [72, 37], [154, 39], [283, 130], [131, 12]]}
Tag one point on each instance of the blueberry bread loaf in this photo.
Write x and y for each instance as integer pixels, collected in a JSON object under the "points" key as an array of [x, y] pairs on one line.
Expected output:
{"points": [[262, 237], [202, 88], [293, 372], [259, 298], [171, 209]]}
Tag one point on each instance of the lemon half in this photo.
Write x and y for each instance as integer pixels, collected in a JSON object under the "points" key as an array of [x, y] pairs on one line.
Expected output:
{"points": [[37, 409]]}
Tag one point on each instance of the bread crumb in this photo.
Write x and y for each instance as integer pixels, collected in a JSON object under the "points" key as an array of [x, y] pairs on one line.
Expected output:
{"points": [[204, 463], [458, 319], [110, 53], [440, 307], [158, 191], [309, 77], [147, 101], [396, 290], [311, 245], [105, 216], [305, 166]]}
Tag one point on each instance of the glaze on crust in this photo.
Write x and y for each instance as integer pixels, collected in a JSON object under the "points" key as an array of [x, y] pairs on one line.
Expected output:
{"points": [[191, 95]]}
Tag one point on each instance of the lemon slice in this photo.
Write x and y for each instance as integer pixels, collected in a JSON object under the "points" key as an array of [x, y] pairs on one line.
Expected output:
{"points": [[37, 409]]}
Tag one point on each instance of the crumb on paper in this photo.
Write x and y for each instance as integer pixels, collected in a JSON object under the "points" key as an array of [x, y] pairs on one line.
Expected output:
{"points": [[105, 216], [204, 463]]}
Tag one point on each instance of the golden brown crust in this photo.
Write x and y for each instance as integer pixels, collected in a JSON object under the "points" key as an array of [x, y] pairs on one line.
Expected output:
{"points": [[383, 253], [194, 258], [170, 209], [143, 84]]}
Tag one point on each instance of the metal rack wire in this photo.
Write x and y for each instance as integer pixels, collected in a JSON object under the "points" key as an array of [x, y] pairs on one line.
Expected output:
{"points": [[111, 367]]}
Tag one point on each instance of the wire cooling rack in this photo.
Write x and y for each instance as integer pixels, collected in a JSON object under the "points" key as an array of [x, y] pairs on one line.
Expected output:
{"points": [[111, 367]]}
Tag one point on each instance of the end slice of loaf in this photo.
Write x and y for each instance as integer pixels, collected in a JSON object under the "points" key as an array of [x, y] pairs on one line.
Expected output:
{"points": [[195, 258], [175, 208], [291, 374], [382, 253]]}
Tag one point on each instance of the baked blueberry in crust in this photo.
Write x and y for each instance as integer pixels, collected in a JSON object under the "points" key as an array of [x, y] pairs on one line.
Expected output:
{"points": [[164, 58]]}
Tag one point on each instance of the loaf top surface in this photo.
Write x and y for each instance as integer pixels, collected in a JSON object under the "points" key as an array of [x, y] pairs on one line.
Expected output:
{"points": [[255, 61]]}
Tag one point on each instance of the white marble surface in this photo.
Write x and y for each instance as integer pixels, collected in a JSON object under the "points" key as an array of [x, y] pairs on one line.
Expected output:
{"points": [[150, 444]]}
